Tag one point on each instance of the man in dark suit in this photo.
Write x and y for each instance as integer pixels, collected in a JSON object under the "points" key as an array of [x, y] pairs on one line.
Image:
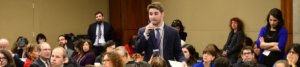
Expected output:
{"points": [[158, 39], [100, 32], [44, 51], [59, 58]]}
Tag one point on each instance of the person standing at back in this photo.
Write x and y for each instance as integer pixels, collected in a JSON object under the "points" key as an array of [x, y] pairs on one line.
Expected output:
{"points": [[272, 39], [99, 33]]}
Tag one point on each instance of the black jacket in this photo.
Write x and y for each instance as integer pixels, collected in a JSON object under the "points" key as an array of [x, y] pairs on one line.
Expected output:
{"points": [[108, 31]]}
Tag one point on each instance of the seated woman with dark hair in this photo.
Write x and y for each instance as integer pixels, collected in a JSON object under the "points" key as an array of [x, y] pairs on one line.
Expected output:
{"points": [[85, 55], [20, 46], [40, 38], [177, 24], [293, 55], [190, 54]]}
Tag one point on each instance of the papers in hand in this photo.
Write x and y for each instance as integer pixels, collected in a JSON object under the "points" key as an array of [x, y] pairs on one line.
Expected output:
{"points": [[175, 63], [266, 52]]}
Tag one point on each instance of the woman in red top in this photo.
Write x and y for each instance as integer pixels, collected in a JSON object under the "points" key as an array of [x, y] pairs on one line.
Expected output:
{"points": [[130, 46], [31, 54]]}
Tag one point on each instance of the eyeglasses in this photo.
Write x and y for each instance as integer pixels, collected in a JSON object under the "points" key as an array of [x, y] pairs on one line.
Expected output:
{"points": [[3, 59], [247, 53]]}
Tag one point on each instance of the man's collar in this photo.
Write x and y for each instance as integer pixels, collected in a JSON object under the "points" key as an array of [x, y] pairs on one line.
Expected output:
{"points": [[44, 61], [161, 25]]}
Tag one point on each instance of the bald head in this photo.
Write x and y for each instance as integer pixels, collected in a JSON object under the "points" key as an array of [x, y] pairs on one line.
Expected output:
{"points": [[4, 44]]}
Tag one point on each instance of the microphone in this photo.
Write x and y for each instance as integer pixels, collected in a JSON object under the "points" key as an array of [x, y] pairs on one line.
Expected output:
{"points": [[153, 22]]}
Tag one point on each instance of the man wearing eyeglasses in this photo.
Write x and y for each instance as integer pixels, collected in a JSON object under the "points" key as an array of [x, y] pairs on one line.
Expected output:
{"points": [[248, 58]]}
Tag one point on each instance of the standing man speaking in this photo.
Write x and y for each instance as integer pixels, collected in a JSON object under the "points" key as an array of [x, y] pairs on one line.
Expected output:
{"points": [[159, 39]]}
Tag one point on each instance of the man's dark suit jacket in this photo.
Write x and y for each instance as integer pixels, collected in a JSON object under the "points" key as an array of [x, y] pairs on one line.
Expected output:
{"points": [[38, 63], [171, 44], [108, 31]]}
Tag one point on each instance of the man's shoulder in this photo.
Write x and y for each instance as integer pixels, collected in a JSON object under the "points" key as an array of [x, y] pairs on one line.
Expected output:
{"points": [[170, 29], [94, 23], [142, 29], [35, 64]]}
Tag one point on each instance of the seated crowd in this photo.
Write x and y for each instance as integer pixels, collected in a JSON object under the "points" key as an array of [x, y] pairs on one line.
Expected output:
{"points": [[238, 51]]}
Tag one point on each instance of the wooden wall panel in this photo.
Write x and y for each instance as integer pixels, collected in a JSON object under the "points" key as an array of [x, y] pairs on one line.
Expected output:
{"points": [[287, 10], [127, 16]]}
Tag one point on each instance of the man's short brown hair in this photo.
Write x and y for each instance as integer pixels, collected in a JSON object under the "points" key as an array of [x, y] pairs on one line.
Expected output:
{"points": [[98, 12], [156, 5]]}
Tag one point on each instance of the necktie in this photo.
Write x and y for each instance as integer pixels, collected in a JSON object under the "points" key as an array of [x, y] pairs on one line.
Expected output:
{"points": [[48, 64], [99, 32], [158, 39]]}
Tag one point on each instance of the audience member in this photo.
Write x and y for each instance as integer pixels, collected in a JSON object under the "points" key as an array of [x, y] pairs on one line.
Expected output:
{"points": [[209, 55], [6, 59], [109, 46], [62, 41], [272, 38], [40, 38], [248, 58], [86, 55], [247, 42], [137, 57], [293, 55], [215, 49], [130, 47], [112, 59], [124, 54], [100, 32], [190, 54], [31, 52], [44, 51], [222, 62], [177, 24], [233, 44], [20, 46], [59, 58], [157, 61], [256, 50], [281, 63], [4, 43]]}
